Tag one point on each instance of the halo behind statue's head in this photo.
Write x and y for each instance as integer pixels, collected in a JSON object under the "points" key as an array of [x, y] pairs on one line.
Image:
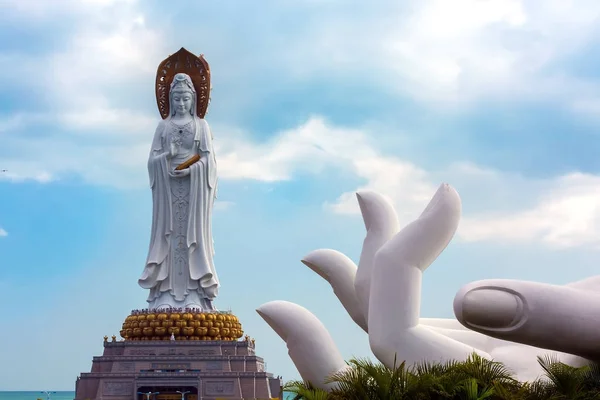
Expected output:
{"points": [[186, 63]]}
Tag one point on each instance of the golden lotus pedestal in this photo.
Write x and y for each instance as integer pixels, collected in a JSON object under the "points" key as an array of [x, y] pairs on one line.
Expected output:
{"points": [[167, 353], [186, 325]]}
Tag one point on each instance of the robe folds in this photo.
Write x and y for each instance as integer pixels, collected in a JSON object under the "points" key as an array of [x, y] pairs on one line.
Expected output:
{"points": [[180, 257]]}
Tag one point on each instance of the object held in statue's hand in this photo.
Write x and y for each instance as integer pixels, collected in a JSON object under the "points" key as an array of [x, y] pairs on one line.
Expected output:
{"points": [[186, 164]]}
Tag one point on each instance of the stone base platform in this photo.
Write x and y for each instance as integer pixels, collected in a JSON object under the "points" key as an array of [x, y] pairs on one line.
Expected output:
{"points": [[209, 370]]}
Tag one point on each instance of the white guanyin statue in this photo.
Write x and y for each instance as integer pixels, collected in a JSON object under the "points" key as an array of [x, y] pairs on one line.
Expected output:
{"points": [[180, 271]]}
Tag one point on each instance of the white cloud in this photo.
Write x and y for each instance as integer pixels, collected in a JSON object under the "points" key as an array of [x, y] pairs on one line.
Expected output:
{"points": [[454, 52], [110, 47], [445, 47], [44, 10], [566, 215], [433, 50], [408, 185], [26, 173], [16, 121], [308, 148], [560, 212], [3, 233], [83, 82], [587, 108], [109, 121]]}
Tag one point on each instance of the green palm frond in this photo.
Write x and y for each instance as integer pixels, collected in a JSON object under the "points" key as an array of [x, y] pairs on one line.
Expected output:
{"points": [[364, 379], [592, 377], [305, 391], [565, 379], [435, 369], [486, 372], [473, 379], [473, 392]]}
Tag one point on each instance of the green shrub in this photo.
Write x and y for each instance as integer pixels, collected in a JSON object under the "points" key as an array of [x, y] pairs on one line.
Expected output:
{"points": [[473, 379]]}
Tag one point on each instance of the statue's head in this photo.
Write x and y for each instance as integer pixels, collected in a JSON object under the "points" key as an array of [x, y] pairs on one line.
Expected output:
{"points": [[182, 95]]}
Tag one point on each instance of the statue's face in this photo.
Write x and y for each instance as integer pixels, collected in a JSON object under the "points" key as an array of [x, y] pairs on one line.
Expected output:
{"points": [[182, 102]]}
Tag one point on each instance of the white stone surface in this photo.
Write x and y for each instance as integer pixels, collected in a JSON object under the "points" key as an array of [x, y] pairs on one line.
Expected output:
{"points": [[506, 320], [310, 345], [180, 270]]}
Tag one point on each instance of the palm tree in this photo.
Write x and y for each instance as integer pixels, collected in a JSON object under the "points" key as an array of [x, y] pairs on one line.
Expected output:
{"points": [[473, 392], [302, 390], [592, 378], [473, 379], [439, 380], [564, 382], [365, 380]]}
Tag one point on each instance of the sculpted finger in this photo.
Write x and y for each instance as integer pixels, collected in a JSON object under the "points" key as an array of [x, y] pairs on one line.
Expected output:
{"points": [[522, 360], [420, 343], [455, 330], [473, 339], [340, 272], [310, 345], [381, 223], [422, 241], [553, 317], [443, 323], [399, 264], [592, 283], [395, 296]]}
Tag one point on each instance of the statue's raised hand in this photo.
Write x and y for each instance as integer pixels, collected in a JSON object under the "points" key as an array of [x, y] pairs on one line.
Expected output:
{"points": [[383, 296], [173, 150]]}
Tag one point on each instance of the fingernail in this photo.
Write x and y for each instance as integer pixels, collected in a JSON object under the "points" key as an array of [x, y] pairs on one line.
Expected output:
{"points": [[491, 308]]}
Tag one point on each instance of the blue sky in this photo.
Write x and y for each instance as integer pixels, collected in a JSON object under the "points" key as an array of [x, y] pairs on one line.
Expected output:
{"points": [[312, 101]]}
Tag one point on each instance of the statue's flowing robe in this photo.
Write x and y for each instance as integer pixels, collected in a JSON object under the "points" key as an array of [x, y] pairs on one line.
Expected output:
{"points": [[166, 251]]}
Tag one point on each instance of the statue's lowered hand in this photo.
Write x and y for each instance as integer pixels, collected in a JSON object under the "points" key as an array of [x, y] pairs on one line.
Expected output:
{"points": [[180, 173]]}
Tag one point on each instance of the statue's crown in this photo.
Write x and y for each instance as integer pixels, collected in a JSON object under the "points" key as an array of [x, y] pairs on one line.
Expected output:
{"points": [[182, 81], [169, 74]]}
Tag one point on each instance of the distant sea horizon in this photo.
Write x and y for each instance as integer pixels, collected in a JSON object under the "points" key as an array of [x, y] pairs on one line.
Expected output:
{"points": [[57, 395], [36, 394]]}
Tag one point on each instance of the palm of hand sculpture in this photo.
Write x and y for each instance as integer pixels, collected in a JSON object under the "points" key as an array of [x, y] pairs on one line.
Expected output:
{"points": [[506, 320]]}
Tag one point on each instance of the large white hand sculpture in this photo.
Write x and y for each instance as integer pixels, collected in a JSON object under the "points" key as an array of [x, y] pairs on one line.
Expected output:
{"points": [[499, 319]]}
